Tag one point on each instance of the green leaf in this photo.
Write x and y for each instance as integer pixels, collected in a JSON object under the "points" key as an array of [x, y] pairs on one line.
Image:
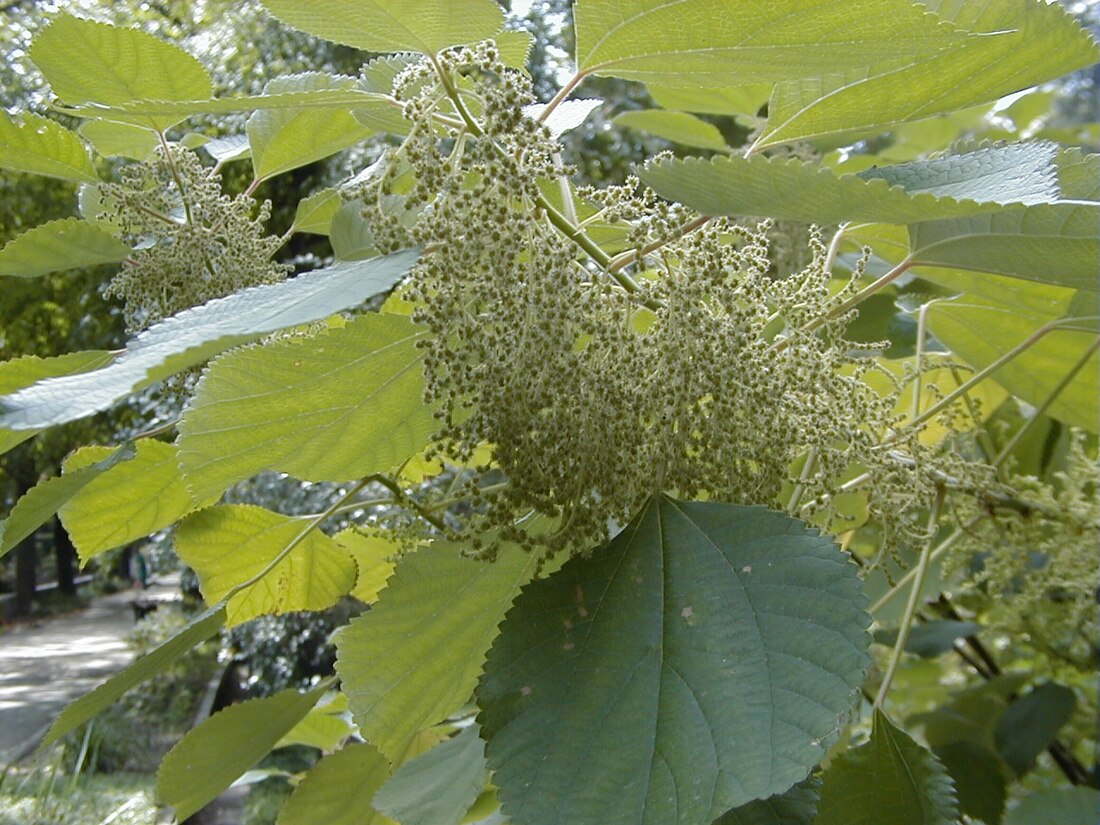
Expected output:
{"points": [[44, 147], [795, 806], [1013, 44], [284, 139], [788, 188], [395, 26], [26, 370], [438, 787], [88, 61], [207, 760], [120, 139], [979, 779], [712, 649], [198, 630], [694, 43], [285, 407], [350, 234], [1030, 724], [314, 213], [230, 545], [1063, 806], [373, 556], [889, 779], [415, 656], [980, 331], [131, 500], [931, 639], [325, 727], [42, 501], [195, 335], [727, 100], [59, 245], [678, 127], [337, 790]]}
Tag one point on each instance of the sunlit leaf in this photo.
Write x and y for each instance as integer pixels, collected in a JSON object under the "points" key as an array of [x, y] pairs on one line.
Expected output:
{"points": [[724, 101], [59, 245], [207, 760], [120, 139], [314, 213], [678, 127], [374, 557], [43, 147], [230, 545], [337, 790], [197, 334], [285, 406], [708, 654]]}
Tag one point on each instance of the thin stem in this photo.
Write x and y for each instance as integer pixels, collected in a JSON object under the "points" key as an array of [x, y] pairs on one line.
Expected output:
{"points": [[918, 357], [799, 488], [984, 441], [408, 501], [176, 176], [562, 94], [1006, 451], [920, 573], [834, 246], [625, 259]]}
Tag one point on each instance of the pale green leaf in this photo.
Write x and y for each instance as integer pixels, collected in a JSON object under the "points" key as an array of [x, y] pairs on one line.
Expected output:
{"points": [[314, 213], [128, 501], [43, 147], [42, 501], [567, 116], [395, 26], [156, 661], [230, 545], [1013, 44], [121, 140], [727, 100], [337, 790], [195, 335], [88, 61], [889, 779], [794, 190], [678, 127], [703, 43], [59, 245], [1030, 724], [207, 760], [438, 787], [229, 148], [325, 727], [26, 370], [350, 234], [795, 806], [1062, 806], [284, 139], [374, 557], [980, 331], [285, 406], [415, 656], [1079, 175], [710, 651]]}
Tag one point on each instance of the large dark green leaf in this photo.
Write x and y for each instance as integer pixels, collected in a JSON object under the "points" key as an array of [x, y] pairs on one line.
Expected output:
{"points": [[207, 760], [979, 779], [286, 406], [795, 806], [1030, 723], [889, 779], [703, 659], [196, 334]]}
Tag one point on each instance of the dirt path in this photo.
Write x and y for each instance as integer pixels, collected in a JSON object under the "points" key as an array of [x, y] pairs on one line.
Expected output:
{"points": [[46, 664]]}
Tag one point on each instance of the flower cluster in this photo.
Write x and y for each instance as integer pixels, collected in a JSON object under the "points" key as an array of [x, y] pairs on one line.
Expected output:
{"points": [[192, 242]]}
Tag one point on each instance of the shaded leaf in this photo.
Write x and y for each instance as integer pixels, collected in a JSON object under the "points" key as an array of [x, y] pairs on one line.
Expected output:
{"points": [[979, 779], [396, 26], [194, 335], [42, 501], [1030, 724], [88, 61], [230, 545], [337, 790], [710, 651], [795, 806], [156, 661], [207, 760], [43, 147], [889, 779], [1013, 44], [699, 44], [314, 213], [284, 139], [285, 407], [678, 127], [128, 501], [1063, 806], [59, 245], [415, 656], [930, 639], [438, 787]]}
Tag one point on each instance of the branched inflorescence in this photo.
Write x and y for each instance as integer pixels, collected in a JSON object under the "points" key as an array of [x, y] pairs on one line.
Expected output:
{"points": [[193, 243]]}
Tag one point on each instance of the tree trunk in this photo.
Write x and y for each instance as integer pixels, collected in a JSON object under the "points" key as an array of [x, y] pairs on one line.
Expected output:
{"points": [[26, 574], [65, 553]]}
